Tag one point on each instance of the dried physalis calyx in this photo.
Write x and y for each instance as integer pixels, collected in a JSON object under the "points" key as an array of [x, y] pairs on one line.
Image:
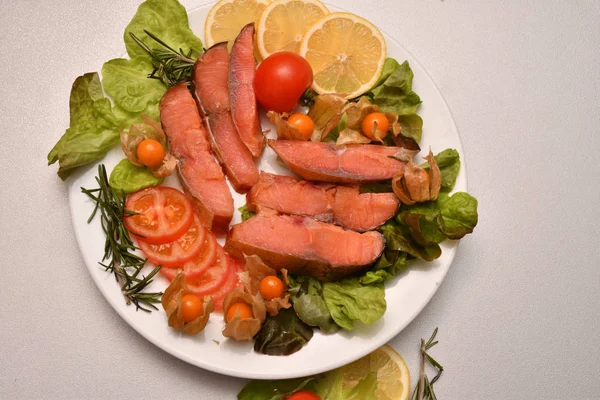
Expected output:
{"points": [[261, 280], [183, 316], [243, 314], [415, 184], [138, 133]]}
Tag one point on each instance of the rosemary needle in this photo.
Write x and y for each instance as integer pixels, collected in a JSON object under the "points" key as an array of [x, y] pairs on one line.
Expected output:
{"points": [[170, 66], [118, 246], [424, 389]]}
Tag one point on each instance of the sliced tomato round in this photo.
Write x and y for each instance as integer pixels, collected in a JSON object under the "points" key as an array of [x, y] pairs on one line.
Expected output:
{"points": [[179, 251], [212, 279], [163, 214], [229, 284], [206, 257]]}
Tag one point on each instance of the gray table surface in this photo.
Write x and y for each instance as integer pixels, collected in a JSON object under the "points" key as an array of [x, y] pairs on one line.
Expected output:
{"points": [[518, 312]]}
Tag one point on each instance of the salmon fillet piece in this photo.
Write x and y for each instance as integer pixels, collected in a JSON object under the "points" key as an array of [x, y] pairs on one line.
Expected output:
{"points": [[210, 82], [304, 246], [341, 205], [244, 108], [199, 173], [326, 162]]}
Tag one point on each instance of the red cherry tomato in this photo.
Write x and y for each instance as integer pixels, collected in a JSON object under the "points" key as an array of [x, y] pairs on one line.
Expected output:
{"points": [[150, 152], [178, 252], [271, 287], [371, 121], [164, 214], [281, 79], [191, 307], [304, 395], [303, 123]]}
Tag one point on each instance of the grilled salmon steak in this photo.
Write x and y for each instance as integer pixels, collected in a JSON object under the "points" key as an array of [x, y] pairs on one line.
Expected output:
{"points": [[326, 162], [304, 246], [244, 108], [341, 205], [210, 82], [199, 173]]}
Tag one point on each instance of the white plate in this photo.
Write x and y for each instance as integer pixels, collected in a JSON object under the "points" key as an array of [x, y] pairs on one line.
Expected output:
{"points": [[406, 295]]}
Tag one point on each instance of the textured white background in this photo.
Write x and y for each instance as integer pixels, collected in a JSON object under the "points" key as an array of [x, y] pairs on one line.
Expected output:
{"points": [[519, 310]]}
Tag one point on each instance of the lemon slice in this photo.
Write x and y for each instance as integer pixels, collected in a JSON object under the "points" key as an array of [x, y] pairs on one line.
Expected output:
{"points": [[393, 376], [226, 19], [283, 23], [346, 53]]}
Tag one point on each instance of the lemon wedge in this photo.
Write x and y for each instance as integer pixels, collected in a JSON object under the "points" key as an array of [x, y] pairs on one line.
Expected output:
{"points": [[346, 53], [393, 376], [283, 23], [226, 19]]}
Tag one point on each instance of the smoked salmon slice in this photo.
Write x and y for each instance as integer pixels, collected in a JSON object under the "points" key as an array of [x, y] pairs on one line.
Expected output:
{"points": [[210, 82], [341, 205], [326, 162], [304, 246], [244, 108], [201, 177]]}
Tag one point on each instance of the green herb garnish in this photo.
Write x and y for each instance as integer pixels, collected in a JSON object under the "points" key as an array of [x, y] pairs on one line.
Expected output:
{"points": [[424, 389], [170, 66], [118, 247]]}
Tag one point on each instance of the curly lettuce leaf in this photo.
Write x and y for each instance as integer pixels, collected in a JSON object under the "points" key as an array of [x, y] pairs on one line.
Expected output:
{"points": [[393, 93], [245, 213], [309, 304], [399, 238], [458, 215], [328, 386], [126, 81], [282, 334], [93, 130], [275, 390], [390, 264], [448, 161], [129, 178], [331, 386], [348, 300], [166, 19]]}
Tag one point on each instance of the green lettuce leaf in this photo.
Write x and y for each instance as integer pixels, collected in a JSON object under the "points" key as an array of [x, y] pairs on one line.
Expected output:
{"points": [[246, 214], [129, 178], [282, 334], [307, 299], [448, 161], [131, 118], [390, 264], [412, 126], [93, 129], [275, 390], [126, 81], [399, 238], [421, 220], [348, 300], [458, 215], [330, 387], [166, 19], [393, 92]]}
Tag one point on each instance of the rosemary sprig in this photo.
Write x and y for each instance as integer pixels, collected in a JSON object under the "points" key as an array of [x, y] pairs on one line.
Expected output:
{"points": [[424, 389], [118, 247], [170, 66]]}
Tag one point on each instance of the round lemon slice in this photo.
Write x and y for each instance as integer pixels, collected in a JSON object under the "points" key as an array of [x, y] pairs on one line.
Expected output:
{"points": [[393, 376], [346, 53], [226, 19], [283, 23]]}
